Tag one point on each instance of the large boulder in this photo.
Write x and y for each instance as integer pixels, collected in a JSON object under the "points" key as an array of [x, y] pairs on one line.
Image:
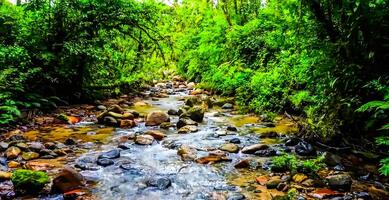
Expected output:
{"points": [[67, 180], [196, 114], [156, 118]]}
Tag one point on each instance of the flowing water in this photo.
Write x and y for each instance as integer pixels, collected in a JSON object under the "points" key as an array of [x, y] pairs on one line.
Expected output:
{"points": [[138, 166]]}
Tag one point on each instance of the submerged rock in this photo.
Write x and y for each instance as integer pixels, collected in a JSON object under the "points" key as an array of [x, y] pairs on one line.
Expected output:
{"points": [[156, 118], [266, 152], [172, 112], [160, 183], [211, 159], [187, 153]]}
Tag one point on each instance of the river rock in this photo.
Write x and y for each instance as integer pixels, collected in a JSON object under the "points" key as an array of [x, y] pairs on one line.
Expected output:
{"points": [[101, 107], [253, 148], [299, 178], [156, 118], [3, 146], [196, 114], [235, 141], [197, 92], [115, 109], [230, 147], [158, 135], [232, 128], [187, 153], [305, 149], [191, 85], [12, 152], [192, 100], [242, 164], [273, 183], [339, 182], [5, 175], [114, 153], [36, 146], [379, 194], [30, 155], [104, 162], [110, 121], [166, 125], [7, 190], [127, 123], [160, 183], [68, 179], [211, 159], [187, 129], [292, 141], [236, 196], [144, 139], [184, 122], [266, 152], [13, 164], [227, 106], [172, 112]]}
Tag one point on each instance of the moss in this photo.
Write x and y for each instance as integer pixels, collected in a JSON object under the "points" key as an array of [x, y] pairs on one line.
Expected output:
{"points": [[28, 180], [290, 162]]}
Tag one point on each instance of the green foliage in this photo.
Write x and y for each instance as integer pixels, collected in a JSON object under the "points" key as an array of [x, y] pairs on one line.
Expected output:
{"points": [[292, 163], [378, 111], [29, 180]]}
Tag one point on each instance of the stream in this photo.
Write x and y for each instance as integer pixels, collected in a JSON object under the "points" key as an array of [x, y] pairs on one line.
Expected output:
{"points": [[158, 171]]}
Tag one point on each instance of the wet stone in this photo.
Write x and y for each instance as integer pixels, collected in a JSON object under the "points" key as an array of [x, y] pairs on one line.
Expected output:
{"points": [[68, 179], [125, 146], [12, 152], [235, 141], [232, 128], [105, 162], [172, 112], [266, 153], [144, 139], [114, 153], [3, 146], [160, 183], [236, 196], [70, 141], [305, 149], [7, 190], [227, 106], [253, 148], [292, 142], [230, 147]]}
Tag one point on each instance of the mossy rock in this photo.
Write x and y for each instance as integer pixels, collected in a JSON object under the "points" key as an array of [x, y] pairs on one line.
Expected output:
{"points": [[29, 181]]}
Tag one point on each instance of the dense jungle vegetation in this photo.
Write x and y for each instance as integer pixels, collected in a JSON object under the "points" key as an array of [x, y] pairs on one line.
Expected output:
{"points": [[323, 60]]}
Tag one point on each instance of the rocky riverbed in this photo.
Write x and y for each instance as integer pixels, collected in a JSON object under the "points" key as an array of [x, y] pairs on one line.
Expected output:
{"points": [[174, 141]]}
